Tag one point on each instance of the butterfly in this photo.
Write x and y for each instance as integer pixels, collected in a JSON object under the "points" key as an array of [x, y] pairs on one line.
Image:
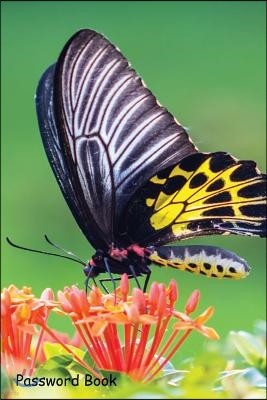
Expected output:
{"points": [[130, 174]]}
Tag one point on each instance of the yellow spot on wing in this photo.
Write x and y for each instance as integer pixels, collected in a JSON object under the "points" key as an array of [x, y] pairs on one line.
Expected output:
{"points": [[178, 171], [162, 200], [180, 230], [166, 216], [150, 202], [157, 180]]}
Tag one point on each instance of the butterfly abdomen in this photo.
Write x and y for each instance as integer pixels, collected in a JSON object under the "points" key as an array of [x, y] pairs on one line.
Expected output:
{"points": [[206, 260]]}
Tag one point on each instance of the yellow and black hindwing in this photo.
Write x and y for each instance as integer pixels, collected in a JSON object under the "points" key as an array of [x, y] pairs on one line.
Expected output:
{"points": [[206, 193]]}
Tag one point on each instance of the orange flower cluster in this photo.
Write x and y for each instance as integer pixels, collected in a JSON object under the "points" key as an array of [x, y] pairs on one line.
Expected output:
{"points": [[21, 315], [134, 333], [141, 316]]}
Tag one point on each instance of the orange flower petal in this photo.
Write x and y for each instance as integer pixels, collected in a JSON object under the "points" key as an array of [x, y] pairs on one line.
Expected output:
{"points": [[99, 327], [47, 294], [139, 300], [148, 319], [192, 302], [173, 292], [28, 328], [209, 332], [132, 312], [183, 325], [154, 295], [124, 285], [22, 313], [66, 305], [162, 305], [182, 316], [205, 316]]}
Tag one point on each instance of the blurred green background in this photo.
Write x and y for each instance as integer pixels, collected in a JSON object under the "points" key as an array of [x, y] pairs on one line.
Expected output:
{"points": [[205, 61]]}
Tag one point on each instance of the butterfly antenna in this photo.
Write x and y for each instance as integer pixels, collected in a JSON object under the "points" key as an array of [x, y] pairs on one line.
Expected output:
{"points": [[42, 252], [64, 250]]}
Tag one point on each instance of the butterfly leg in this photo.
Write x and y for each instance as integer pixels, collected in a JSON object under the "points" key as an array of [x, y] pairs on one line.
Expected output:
{"points": [[110, 274], [109, 280], [86, 282], [134, 275], [147, 279], [119, 278]]}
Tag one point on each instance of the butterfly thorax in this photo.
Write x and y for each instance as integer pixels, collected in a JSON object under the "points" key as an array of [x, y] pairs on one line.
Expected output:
{"points": [[133, 258]]}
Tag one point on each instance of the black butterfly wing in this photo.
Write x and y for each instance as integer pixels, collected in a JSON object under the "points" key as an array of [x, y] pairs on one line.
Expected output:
{"points": [[55, 154], [206, 193], [104, 133]]}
